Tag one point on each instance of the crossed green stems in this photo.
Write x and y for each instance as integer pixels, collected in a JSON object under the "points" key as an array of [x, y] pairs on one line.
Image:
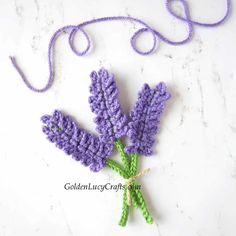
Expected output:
{"points": [[129, 169]]}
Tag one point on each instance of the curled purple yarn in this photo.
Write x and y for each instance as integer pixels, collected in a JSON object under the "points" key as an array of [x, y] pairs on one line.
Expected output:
{"points": [[134, 37], [145, 117], [73, 140], [73, 29], [104, 102]]}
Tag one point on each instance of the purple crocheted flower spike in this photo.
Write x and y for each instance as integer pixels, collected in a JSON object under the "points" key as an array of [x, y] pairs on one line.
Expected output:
{"points": [[145, 118], [73, 140], [110, 120]]}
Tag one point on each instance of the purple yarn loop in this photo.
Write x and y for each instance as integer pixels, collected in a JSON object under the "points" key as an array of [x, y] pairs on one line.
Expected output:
{"points": [[71, 37], [136, 34], [157, 36]]}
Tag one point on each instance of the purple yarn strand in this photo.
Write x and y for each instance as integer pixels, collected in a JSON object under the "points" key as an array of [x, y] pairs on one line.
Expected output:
{"points": [[74, 141], [73, 29], [188, 19], [145, 118]]}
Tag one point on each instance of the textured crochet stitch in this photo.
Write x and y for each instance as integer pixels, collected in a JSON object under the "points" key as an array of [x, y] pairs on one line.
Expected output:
{"points": [[141, 126]]}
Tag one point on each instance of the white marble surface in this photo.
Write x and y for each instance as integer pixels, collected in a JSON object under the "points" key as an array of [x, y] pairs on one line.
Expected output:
{"points": [[191, 189]]}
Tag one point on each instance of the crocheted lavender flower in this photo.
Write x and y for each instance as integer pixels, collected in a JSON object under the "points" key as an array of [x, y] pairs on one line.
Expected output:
{"points": [[111, 124], [110, 120], [145, 118], [83, 146]]}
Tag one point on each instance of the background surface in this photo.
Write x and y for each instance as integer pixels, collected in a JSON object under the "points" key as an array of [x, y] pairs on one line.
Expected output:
{"points": [[191, 189]]}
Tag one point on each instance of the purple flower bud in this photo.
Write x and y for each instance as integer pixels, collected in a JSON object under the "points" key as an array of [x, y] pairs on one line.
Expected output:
{"points": [[145, 118], [110, 120], [73, 140]]}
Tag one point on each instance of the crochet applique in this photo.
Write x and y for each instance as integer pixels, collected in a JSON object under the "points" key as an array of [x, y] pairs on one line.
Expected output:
{"points": [[140, 127]]}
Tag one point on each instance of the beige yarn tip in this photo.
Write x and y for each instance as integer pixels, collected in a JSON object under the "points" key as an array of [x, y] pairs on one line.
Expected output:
{"points": [[129, 182]]}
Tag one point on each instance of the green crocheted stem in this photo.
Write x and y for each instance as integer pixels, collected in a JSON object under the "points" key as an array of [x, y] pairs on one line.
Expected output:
{"points": [[129, 169], [133, 164], [130, 166], [124, 157], [142, 204], [134, 198], [125, 210], [117, 168], [132, 172]]}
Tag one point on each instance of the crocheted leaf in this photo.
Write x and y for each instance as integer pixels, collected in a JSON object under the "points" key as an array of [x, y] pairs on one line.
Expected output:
{"points": [[145, 118], [110, 120], [73, 140]]}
